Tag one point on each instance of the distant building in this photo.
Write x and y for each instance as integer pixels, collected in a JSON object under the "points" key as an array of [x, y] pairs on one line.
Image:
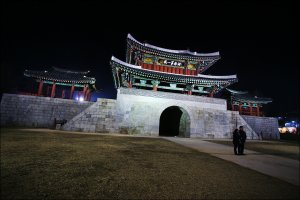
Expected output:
{"points": [[63, 77], [246, 104]]}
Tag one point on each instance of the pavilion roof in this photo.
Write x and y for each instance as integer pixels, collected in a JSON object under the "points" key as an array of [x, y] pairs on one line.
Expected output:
{"points": [[61, 75], [252, 99], [70, 71], [200, 79], [177, 54]]}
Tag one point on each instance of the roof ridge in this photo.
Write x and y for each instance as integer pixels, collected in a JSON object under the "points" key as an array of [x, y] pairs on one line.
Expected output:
{"points": [[70, 71]]}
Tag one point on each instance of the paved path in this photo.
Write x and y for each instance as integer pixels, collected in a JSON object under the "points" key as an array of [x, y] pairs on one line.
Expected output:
{"points": [[283, 168]]}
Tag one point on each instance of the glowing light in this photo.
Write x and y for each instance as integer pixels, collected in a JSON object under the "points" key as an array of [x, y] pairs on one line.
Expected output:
{"points": [[292, 124], [292, 130], [81, 99], [283, 130]]}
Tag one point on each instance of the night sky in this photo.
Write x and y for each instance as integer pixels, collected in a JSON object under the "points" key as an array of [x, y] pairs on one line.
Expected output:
{"points": [[257, 40]]}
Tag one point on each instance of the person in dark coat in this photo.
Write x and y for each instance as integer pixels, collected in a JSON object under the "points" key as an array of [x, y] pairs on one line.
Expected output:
{"points": [[243, 138], [235, 140]]}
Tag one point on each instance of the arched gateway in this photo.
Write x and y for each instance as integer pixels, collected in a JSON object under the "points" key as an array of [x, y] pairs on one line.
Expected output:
{"points": [[174, 121]]}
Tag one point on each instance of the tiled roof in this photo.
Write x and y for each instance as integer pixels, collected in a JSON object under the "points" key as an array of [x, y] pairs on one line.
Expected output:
{"points": [[220, 81], [253, 99], [61, 75], [182, 54]]}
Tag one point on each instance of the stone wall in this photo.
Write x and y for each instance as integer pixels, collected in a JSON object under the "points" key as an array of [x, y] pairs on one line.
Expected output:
{"points": [[206, 102], [265, 127], [33, 111], [99, 117], [135, 112], [139, 111]]}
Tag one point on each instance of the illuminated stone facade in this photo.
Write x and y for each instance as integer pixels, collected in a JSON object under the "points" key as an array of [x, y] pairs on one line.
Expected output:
{"points": [[136, 112], [139, 112]]}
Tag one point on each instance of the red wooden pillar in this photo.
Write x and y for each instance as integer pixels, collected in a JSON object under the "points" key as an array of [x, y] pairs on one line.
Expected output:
{"points": [[40, 91], [211, 94], [84, 90], [240, 108], [129, 84], [72, 91], [89, 96], [155, 84], [63, 94], [250, 109], [190, 92], [53, 90], [86, 95], [258, 114]]}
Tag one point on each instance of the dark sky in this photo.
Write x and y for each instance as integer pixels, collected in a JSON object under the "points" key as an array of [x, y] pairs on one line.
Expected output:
{"points": [[257, 40]]}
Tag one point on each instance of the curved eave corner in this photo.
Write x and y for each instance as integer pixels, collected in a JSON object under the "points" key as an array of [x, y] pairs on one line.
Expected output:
{"points": [[114, 59], [236, 91], [218, 77], [26, 73]]}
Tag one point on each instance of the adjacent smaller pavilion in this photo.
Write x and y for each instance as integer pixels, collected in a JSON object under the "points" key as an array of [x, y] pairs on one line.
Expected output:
{"points": [[63, 77], [246, 104]]}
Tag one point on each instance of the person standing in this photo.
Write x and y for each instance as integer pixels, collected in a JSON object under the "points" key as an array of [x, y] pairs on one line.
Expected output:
{"points": [[235, 140], [243, 138]]}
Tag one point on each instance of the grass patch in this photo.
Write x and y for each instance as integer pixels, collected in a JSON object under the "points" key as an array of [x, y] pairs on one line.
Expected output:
{"points": [[41, 165], [288, 149]]}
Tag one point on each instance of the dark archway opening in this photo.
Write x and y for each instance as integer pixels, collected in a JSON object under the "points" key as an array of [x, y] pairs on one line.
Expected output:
{"points": [[169, 121], [174, 121]]}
